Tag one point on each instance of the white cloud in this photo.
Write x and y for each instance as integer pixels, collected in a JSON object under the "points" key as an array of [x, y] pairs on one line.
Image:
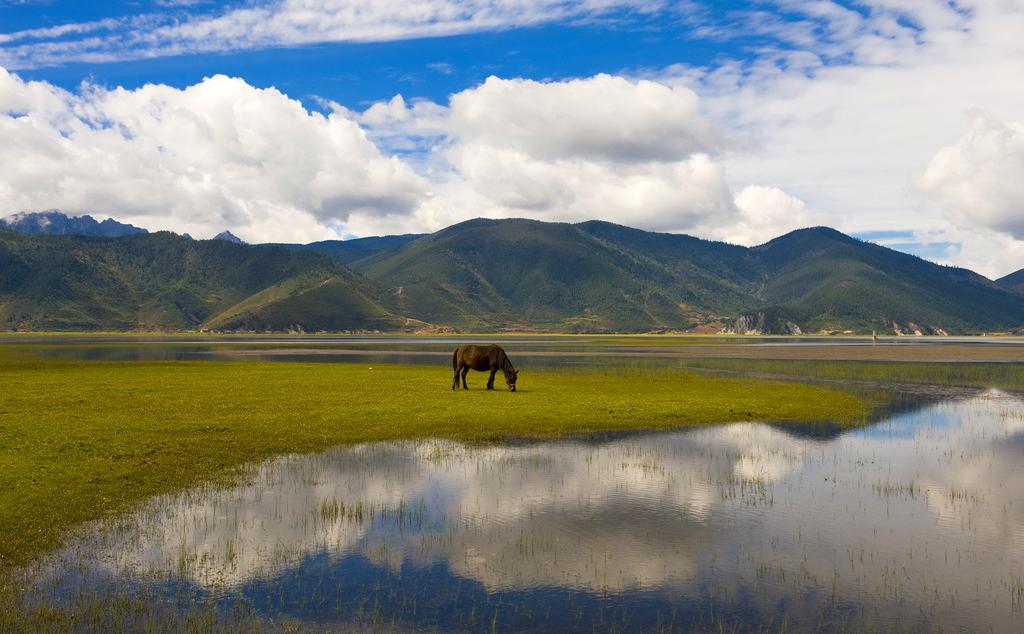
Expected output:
{"points": [[980, 249], [635, 152], [847, 109], [837, 119], [766, 213], [669, 196], [980, 178], [217, 154], [222, 154], [56, 32], [602, 118], [270, 23]]}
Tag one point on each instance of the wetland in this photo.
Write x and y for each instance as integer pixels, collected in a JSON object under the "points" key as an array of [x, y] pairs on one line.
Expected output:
{"points": [[253, 484]]}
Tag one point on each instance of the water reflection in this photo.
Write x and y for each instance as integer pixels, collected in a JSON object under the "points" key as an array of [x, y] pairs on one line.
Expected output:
{"points": [[917, 522]]}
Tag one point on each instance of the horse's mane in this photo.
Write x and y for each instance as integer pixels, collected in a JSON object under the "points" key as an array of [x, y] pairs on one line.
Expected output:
{"points": [[506, 364]]}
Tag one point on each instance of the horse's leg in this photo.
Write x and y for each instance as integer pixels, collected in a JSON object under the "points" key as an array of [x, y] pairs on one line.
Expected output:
{"points": [[490, 381], [465, 371]]}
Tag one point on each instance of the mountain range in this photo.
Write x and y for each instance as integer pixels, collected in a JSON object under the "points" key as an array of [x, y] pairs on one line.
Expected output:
{"points": [[57, 223], [493, 275]]}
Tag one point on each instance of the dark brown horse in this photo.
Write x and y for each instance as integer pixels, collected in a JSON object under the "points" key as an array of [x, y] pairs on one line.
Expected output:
{"points": [[482, 359]]}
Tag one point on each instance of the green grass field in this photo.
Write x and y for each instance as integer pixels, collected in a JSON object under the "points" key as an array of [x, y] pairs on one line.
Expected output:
{"points": [[1005, 376], [83, 440]]}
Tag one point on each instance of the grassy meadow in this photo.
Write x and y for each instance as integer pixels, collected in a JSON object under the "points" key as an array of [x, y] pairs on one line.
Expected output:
{"points": [[1004, 376], [82, 440]]}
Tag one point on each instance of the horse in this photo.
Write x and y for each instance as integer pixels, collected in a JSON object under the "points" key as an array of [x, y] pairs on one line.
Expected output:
{"points": [[482, 359]]}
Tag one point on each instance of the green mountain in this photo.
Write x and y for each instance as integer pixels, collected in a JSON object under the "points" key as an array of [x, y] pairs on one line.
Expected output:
{"points": [[492, 275], [1013, 281], [599, 277], [320, 299], [348, 251], [823, 279], [163, 281], [591, 277]]}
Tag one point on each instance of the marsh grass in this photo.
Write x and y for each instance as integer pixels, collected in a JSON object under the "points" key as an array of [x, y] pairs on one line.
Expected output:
{"points": [[84, 440], [138, 612], [1005, 376]]}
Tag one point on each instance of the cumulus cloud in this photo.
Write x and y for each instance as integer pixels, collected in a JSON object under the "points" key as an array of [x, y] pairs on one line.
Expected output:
{"points": [[765, 213], [632, 151], [980, 178], [601, 118], [846, 109], [988, 252], [635, 152], [223, 154], [670, 196], [217, 154], [835, 118]]}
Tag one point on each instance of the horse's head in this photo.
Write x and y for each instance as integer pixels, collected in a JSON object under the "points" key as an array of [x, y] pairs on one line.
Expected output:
{"points": [[510, 379]]}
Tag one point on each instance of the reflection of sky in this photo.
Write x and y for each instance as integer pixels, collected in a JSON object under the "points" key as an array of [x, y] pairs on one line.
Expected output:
{"points": [[917, 520]]}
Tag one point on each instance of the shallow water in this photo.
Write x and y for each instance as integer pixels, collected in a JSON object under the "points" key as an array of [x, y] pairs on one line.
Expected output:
{"points": [[913, 523], [533, 351]]}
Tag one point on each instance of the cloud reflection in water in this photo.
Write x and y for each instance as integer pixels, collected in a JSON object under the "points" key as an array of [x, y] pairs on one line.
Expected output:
{"points": [[916, 521]]}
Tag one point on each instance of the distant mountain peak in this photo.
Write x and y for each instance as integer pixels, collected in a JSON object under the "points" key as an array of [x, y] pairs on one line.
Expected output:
{"points": [[54, 222], [819, 233], [227, 236]]}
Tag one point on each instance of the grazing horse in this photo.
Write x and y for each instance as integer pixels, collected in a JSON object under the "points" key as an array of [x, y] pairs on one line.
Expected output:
{"points": [[482, 359]]}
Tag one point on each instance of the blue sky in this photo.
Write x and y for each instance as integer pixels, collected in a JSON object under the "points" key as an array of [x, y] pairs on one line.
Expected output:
{"points": [[891, 120], [360, 73]]}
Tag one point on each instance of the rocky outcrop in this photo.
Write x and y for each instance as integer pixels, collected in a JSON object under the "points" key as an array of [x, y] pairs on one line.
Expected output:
{"points": [[910, 328], [227, 236], [762, 323]]}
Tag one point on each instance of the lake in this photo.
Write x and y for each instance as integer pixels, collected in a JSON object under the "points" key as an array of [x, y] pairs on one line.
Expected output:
{"points": [[915, 522], [548, 351]]}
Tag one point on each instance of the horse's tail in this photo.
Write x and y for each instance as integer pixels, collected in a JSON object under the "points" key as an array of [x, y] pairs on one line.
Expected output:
{"points": [[455, 360]]}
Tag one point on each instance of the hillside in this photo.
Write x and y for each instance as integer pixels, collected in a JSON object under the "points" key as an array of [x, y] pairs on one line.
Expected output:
{"points": [[348, 251], [597, 277], [592, 277], [492, 275], [312, 301], [163, 281], [823, 279], [1013, 281]]}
